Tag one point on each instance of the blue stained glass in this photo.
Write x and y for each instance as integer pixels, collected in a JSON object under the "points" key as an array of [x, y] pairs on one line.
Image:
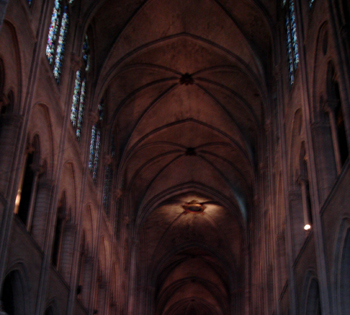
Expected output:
{"points": [[60, 46], [95, 146], [86, 53], [79, 94], [97, 153], [53, 31], [292, 41], [294, 33], [81, 108], [75, 101], [30, 2], [95, 143], [92, 147]]}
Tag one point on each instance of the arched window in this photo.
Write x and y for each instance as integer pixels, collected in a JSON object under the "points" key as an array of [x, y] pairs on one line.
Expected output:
{"points": [[13, 294], [78, 101], [25, 200], [56, 38], [336, 118], [49, 311], [313, 302], [95, 142], [292, 39]]}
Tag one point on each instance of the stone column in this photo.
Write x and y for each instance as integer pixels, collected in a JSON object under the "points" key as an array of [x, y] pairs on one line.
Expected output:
{"points": [[297, 222], [11, 125]]}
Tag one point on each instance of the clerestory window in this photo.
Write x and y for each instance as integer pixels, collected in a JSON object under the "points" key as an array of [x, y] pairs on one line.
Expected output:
{"points": [[56, 39], [79, 94], [292, 39], [95, 143]]}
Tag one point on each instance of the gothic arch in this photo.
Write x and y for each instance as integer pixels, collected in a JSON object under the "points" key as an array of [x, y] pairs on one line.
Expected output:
{"points": [[311, 304], [341, 269], [52, 308], [15, 291], [12, 59], [41, 124]]}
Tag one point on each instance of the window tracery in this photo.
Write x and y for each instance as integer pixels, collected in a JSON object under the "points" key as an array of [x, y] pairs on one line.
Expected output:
{"points": [[292, 39], [79, 94], [95, 142], [56, 38]]}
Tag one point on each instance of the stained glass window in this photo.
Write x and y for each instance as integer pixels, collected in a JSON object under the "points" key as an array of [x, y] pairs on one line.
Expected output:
{"points": [[56, 38], [79, 93], [292, 40], [311, 3], [29, 2], [86, 53], [95, 143]]}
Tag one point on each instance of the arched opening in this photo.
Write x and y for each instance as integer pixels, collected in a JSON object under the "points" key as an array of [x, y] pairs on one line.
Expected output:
{"points": [[25, 192], [25, 200], [345, 275], [60, 220], [313, 303], [49, 311], [336, 117], [12, 297], [341, 133]]}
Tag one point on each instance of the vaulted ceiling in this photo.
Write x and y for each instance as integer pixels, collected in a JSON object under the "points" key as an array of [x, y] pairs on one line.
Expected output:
{"points": [[187, 89]]}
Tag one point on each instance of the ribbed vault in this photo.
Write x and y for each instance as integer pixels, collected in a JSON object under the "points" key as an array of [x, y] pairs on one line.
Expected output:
{"points": [[186, 89]]}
